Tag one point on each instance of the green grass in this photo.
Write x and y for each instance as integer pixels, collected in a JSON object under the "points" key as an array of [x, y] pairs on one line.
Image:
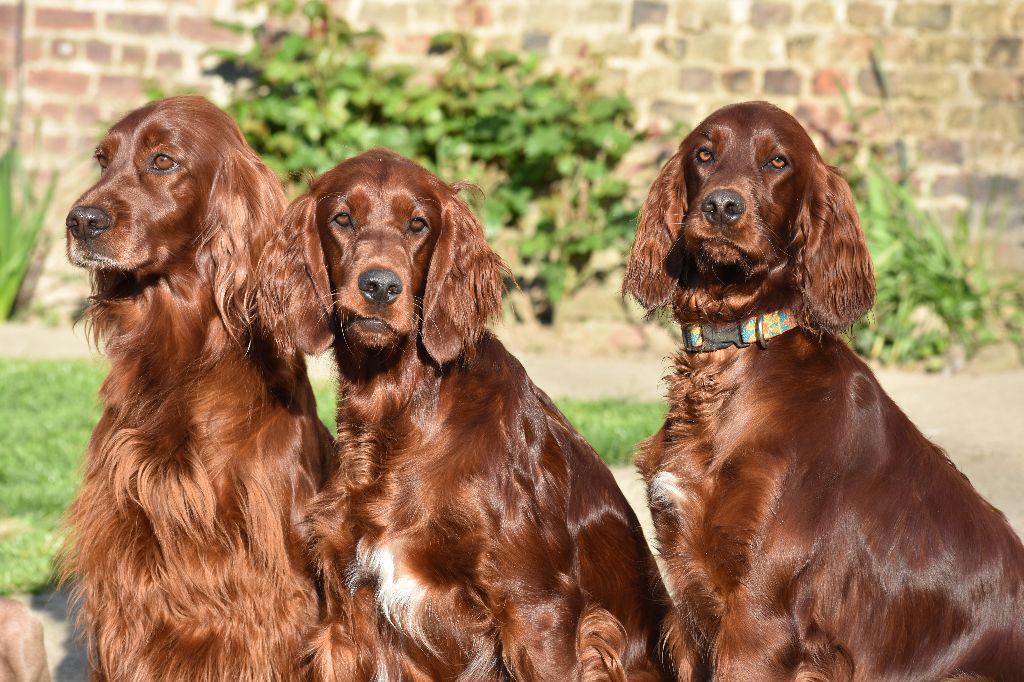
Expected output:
{"points": [[614, 427], [48, 410]]}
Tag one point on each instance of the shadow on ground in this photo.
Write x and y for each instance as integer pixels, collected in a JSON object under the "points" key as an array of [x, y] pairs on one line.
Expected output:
{"points": [[66, 655]]}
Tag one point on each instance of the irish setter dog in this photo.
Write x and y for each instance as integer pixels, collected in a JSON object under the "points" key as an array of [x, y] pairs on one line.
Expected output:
{"points": [[184, 540], [810, 531], [467, 531]]}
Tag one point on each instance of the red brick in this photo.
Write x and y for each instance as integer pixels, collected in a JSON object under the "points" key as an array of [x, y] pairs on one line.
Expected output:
{"points": [[137, 23], [830, 82], [646, 13], [168, 60], [827, 120], [851, 48], [87, 114], [770, 14], [738, 80], [674, 48], [8, 14], [781, 82], [203, 30], [1004, 51], [926, 17], [60, 18], [54, 112], [470, 14], [100, 52], [819, 13], [63, 49], [134, 55], [65, 82], [56, 144], [864, 15], [944, 185], [412, 44], [120, 86], [983, 18], [942, 150], [995, 84], [897, 48], [696, 80]]}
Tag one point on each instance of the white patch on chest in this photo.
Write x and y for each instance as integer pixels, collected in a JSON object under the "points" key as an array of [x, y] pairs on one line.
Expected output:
{"points": [[666, 493], [400, 596]]}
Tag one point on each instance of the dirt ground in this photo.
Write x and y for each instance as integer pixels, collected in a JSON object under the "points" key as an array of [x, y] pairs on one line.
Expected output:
{"points": [[978, 417]]}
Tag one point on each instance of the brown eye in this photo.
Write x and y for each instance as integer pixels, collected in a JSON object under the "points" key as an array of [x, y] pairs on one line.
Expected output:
{"points": [[417, 224], [778, 162], [705, 155], [343, 219], [163, 163], [101, 159]]}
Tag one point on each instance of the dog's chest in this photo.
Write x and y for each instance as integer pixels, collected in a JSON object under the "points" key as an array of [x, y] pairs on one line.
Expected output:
{"points": [[711, 487], [422, 586], [401, 593]]}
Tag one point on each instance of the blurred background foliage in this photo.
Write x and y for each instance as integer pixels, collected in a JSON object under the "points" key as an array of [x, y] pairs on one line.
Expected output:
{"points": [[542, 146], [940, 297], [24, 199]]}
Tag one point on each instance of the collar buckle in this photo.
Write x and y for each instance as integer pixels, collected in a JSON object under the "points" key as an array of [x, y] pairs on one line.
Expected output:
{"points": [[711, 338]]}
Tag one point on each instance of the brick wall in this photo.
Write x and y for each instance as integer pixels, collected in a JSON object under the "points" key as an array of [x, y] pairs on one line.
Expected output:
{"points": [[953, 68]]}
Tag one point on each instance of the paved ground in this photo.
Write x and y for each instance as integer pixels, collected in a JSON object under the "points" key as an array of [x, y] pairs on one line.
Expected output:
{"points": [[979, 419]]}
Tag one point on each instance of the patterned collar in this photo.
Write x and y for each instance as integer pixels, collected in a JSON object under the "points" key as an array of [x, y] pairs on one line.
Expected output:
{"points": [[703, 338]]}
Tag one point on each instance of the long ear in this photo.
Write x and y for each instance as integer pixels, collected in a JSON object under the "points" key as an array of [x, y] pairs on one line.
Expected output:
{"points": [[651, 271], [833, 266], [245, 204], [295, 302], [464, 285]]}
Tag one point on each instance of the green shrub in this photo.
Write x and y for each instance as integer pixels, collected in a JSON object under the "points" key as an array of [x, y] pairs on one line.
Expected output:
{"points": [[936, 289], [543, 146], [937, 285], [22, 210]]}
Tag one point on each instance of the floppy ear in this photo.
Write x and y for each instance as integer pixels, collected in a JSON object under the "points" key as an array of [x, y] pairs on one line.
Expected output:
{"points": [[833, 266], [651, 272], [464, 285], [295, 302], [245, 203]]}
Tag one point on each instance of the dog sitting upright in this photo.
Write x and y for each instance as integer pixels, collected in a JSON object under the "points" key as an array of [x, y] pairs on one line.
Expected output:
{"points": [[809, 530], [467, 531]]}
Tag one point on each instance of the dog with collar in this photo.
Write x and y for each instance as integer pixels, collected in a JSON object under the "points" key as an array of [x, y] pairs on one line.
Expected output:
{"points": [[809, 530]]}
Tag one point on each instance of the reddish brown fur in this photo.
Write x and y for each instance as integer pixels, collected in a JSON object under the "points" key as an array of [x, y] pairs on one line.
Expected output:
{"points": [[809, 530], [183, 536], [468, 532]]}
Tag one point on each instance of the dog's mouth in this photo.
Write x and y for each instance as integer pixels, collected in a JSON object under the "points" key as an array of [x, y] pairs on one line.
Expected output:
{"points": [[720, 254], [84, 255], [371, 332]]}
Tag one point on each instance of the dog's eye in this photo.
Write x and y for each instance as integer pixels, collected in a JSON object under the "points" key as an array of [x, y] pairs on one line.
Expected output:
{"points": [[705, 155], [343, 219], [778, 162], [101, 159], [163, 163], [417, 224]]}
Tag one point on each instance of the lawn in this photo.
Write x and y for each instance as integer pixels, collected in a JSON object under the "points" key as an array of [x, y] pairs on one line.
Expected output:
{"points": [[49, 409]]}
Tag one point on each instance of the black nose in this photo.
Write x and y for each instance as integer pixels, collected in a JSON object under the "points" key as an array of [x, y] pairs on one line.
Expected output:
{"points": [[87, 221], [723, 207], [380, 286]]}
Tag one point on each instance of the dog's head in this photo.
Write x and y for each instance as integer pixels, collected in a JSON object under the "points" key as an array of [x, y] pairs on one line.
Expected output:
{"points": [[180, 194], [379, 250], [747, 218]]}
